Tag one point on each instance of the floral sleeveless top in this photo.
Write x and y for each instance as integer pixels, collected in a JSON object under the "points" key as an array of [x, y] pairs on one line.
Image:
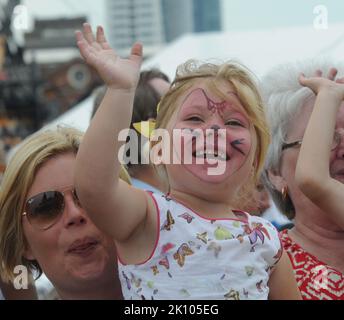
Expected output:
{"points": [[315, 279], [197, 258]]}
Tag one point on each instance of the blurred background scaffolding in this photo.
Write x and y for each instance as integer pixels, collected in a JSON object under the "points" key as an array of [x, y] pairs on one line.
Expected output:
{"points": [[44, 82]]}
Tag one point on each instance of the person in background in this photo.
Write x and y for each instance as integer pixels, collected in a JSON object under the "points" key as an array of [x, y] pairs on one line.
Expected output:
{"points": [[2, 160], [315, 243], [260, 204], [152, 85], [43, 226], [323, 140]]}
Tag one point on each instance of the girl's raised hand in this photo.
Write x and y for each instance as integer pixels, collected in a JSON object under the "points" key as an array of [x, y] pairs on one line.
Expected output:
{"points": [[116, 72]]}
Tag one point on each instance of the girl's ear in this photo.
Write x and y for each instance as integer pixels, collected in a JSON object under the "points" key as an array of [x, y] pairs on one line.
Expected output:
{"points": [[160, 152], [276, 180], [156, 155]]}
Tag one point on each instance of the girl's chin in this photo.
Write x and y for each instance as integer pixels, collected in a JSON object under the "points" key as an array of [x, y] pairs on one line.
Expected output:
{"points": [[209, 173]]}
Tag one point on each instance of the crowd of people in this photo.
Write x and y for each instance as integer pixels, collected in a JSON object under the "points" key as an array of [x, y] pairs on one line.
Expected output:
{"points": [[101, 229]]}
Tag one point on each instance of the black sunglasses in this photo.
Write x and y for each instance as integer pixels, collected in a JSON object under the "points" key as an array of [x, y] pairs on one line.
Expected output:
{"points": [[46, 208], [291, 144]]}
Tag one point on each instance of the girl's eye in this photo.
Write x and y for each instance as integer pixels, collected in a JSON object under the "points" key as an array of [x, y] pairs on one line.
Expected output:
{"points": [[234, 123], [198, 119]]}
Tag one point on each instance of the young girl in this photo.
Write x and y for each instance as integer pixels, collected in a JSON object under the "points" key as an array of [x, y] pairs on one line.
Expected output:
{"points": [[191, 243], [323, 144]]}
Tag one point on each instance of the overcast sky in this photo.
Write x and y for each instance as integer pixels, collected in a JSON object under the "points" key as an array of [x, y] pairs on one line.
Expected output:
{"points": [[266, 14], [237, 14]]}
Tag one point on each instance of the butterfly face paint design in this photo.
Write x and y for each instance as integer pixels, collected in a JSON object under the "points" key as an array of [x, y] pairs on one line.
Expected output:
{"points": [[213, 106]]}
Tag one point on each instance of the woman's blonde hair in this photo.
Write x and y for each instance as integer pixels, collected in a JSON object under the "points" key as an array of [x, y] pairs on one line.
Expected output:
{"points": [[246, 89], [18, 178]]}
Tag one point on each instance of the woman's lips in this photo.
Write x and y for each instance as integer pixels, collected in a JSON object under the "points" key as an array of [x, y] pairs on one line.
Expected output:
{"points": [[83, 246]]}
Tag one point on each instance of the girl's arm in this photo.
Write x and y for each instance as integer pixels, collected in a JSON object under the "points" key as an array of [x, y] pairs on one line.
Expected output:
{"points": [[114, 206], [312, 171], [282, 283]]}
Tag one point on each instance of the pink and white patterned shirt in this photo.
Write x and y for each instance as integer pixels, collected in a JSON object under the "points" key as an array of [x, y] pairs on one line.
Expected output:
{"points": [[198, 258]]}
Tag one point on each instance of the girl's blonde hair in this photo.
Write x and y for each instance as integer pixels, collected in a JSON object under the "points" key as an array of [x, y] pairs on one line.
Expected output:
{"points": [[246, 89], [18, 178]]}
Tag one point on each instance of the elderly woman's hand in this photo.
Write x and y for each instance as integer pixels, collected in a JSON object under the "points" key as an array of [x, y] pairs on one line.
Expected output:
{"points": [[329, 84]]}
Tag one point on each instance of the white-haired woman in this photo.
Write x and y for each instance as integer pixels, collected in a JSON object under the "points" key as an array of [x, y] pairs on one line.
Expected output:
{"points": [[315, 244]]}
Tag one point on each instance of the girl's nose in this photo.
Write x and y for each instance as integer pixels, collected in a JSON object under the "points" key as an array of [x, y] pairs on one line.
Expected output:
{"points": [[215, 127]]}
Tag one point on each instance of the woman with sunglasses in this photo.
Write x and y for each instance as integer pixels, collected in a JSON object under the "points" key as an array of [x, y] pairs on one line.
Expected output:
{"points": [[44, 228], [315, 243]]}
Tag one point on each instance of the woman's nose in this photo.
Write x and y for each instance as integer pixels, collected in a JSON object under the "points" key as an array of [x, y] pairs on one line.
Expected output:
{"points": [[74, 215]]}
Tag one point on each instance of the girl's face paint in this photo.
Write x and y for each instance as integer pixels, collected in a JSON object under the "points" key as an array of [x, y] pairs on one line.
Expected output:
{"points": [[226, 130], [235, 144]]}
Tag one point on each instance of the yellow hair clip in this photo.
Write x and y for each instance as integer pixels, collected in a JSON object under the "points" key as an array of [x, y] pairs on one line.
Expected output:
{"points": [[145, 128], [124, 175], [158, 108]]}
